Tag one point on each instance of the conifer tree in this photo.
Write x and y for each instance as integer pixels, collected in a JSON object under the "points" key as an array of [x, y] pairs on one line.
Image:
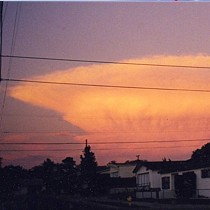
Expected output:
{"points": [[88, 169]]}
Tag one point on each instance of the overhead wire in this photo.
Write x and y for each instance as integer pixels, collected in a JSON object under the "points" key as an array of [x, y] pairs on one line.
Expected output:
{"points": [[32, 115], [92, 132], [103, 143], [95, 149], [4, 12], [92, 117], [104, 62], [104, 85], [15, 30]]}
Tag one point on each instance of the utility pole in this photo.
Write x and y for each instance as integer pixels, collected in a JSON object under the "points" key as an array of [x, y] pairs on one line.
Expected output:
{"points": [[1, 35], [86, 143]]}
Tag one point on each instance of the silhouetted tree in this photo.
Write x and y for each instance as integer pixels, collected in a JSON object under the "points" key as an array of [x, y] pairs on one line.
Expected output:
{"points": [[202, 155], [112, 162], [1, 161], [164, 159], [10, 177], [68, 175], [46, 171], [88, 170]]}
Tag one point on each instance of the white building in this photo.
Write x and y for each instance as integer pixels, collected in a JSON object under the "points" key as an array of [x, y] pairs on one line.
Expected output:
{"points": [[194, 183], [148, 179], [123, 170], [172, 179], [123, 177]]}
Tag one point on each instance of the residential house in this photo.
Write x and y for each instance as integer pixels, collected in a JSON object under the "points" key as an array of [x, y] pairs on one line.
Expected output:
{"points": [[103, 170], [172, 179], [191, 180], [123, 170], [122, 177], [148, 177]]}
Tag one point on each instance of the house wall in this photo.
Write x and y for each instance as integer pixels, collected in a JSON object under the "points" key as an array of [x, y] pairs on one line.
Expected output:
{"points": [[202, 185], [154, 179], [126, 171], [142, 170], [123, 171], [167, 193], [114, 171]]}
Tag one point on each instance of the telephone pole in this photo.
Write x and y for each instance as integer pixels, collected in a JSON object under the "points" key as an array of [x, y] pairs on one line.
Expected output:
{"points": [[1, 35]]}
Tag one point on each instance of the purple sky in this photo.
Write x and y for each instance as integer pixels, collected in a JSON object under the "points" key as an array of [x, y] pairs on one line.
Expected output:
{"points": [[92, 31]]}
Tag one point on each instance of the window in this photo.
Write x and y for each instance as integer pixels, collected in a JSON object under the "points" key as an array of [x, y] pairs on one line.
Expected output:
{"points": [[143, 179], [205, 173], [166, 182]]}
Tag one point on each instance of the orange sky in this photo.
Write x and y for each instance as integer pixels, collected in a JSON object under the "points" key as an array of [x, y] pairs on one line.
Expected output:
{"points": [[111, 114]]}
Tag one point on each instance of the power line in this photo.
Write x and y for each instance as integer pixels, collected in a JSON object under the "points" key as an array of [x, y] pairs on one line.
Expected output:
{"points": [[35, 150], [103, 62], [95, 149], [105, 86], [5, 11], [92, 117], [35, 116], [90, 132], [39, 143], [103, 143], [34, 132], [15, 29]]}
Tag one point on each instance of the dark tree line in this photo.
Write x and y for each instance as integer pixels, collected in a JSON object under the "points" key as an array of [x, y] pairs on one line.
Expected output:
{"points": [[68, 178], [202, 155], [65, 177]]}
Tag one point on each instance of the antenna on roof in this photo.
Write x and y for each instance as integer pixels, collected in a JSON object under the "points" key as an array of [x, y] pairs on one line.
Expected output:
{"points": [[86, 143]]}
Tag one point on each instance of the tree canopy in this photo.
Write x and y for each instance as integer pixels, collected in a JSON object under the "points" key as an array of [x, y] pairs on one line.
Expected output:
{"points": [[88, 170], [202, 155]]}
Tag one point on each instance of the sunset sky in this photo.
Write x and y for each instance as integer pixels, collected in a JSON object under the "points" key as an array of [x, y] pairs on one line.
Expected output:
{"points": [[160, 120]]}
